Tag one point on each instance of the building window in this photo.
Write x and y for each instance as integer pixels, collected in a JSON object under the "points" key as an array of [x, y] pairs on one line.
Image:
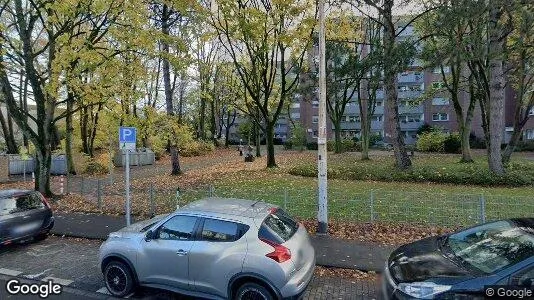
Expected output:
{"points": [[315, 119], [379, 103], [377, 118], [437, 70], [529, 134], [295, 105], [403, 88], [440, 101], [315, 104], [410, 118], [440, 117], [531, 112], [295, 116], [352, 119]]}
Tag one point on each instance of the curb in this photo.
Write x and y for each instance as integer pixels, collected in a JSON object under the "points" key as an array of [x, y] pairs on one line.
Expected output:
{"points": [[318, 263]]}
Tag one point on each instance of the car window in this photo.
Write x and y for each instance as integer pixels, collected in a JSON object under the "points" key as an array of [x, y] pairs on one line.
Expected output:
{"points": [[278, 227], [493, 246], [177, 228], [219, 231], [524, 278], [20, 203]]}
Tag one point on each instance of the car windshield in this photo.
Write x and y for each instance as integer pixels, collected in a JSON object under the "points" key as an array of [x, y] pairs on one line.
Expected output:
{"points": [[493, 246]]}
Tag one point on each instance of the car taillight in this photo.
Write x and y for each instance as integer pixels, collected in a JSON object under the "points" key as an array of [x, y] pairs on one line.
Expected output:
{"points": [[280, 253], [45, 201]]}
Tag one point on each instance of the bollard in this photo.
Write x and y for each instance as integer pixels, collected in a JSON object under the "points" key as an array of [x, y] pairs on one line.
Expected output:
{"points": [[99, 194], [61, 185]]}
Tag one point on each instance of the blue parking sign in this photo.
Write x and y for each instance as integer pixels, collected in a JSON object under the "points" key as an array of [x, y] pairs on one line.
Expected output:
{"points": [[127, 138]]}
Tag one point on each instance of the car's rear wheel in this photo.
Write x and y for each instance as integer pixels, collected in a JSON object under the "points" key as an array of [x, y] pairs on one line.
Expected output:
{"points": [[253, 291], [119, 279]]}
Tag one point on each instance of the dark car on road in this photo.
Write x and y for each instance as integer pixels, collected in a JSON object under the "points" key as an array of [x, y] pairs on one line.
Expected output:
{"points": [[465, 264], [24, 215]]}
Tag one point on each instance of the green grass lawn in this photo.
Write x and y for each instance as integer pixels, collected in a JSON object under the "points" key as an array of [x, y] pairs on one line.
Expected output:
{"points": [[366, 200]]}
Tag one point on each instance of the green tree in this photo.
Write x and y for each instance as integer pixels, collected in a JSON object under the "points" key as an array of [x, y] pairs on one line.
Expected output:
{"points": [[266, 40]]}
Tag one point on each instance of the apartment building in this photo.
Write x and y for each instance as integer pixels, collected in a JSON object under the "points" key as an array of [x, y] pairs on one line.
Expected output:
{"points": [[412, 83]]}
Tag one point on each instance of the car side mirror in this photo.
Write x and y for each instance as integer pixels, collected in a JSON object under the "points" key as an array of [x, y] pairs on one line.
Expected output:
{"points": [[149, 235]]}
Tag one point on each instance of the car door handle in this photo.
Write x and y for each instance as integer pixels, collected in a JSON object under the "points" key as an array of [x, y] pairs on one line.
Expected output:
{"points": [[26, 217], [181, 252]]}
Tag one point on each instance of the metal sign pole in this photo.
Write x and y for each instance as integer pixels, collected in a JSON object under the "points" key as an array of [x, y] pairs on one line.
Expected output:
{"points": [[127, 175]]}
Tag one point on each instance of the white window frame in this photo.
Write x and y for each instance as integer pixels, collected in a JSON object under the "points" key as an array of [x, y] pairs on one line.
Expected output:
{"points": [[439, 117], [531, 112]]}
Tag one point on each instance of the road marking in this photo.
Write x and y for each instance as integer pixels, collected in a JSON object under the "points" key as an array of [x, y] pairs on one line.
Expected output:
{"points": [[9, 272], [63, 282], [33, 276], [103, 290]]}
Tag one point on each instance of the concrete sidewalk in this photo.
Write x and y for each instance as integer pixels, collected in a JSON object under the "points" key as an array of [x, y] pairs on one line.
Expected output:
{"points": [[330, 252]]}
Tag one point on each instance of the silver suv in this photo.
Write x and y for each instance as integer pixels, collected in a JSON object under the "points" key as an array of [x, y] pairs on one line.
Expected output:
{"points": [[214, 248]]}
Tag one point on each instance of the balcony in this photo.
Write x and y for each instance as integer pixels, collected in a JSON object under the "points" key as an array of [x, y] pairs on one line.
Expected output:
{"points": [[409, 94], [419, 109], [410, 125], [410, 77]]}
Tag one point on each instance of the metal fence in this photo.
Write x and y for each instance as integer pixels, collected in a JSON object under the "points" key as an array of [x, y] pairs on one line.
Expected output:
{"points": [[20, 166], [424, 208]]}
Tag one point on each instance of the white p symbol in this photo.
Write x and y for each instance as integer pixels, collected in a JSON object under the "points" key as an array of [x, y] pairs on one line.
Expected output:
{"points": [[126, 132]]}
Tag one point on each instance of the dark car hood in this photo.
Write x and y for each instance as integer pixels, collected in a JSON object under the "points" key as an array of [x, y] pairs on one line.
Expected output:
{"points": [[423, 260]]}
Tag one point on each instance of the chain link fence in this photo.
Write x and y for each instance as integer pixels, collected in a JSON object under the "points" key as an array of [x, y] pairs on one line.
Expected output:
{"points": [[423, 208]]}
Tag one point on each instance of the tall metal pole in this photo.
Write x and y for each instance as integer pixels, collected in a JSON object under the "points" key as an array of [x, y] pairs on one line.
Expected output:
{"points": [[322, 214], [127, 178]]}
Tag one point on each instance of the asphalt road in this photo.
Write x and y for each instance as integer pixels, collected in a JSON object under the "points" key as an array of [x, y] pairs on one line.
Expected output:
{"points": [[73, 263]]}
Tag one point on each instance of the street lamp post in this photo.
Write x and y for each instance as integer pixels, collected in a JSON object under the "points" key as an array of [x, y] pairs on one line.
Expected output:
{"points": [[322, 215]]}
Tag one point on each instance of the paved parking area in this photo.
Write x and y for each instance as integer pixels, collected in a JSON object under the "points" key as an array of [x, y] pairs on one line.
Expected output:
{"points": [[74, 264]]}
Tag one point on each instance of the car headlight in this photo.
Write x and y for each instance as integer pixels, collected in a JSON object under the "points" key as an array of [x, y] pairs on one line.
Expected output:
{"points": [[423, 290]]}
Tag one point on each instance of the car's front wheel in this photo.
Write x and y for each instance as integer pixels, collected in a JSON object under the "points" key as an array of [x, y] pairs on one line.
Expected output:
{"points": [[119, 279], [253, 291]]}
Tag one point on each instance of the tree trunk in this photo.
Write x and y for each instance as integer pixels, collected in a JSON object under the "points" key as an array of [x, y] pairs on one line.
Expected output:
{"points": [[202, 119], [175, 159], [269, 131], [68, 137], [496, 92], [42, 170], [337, 137], [365, 127], [402, 160], [213, 128], [8, 136], [227, 131], [257, 134]]}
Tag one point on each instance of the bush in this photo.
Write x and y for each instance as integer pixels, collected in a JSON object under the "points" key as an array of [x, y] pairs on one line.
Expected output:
{"points": [[312, 146], [525, 146], [432, 141], [288, 145], [433, 169], [196, 148], [452, 143], [425, 128], [374, 138], [476, 142], [94, 167], [297, 139]]}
